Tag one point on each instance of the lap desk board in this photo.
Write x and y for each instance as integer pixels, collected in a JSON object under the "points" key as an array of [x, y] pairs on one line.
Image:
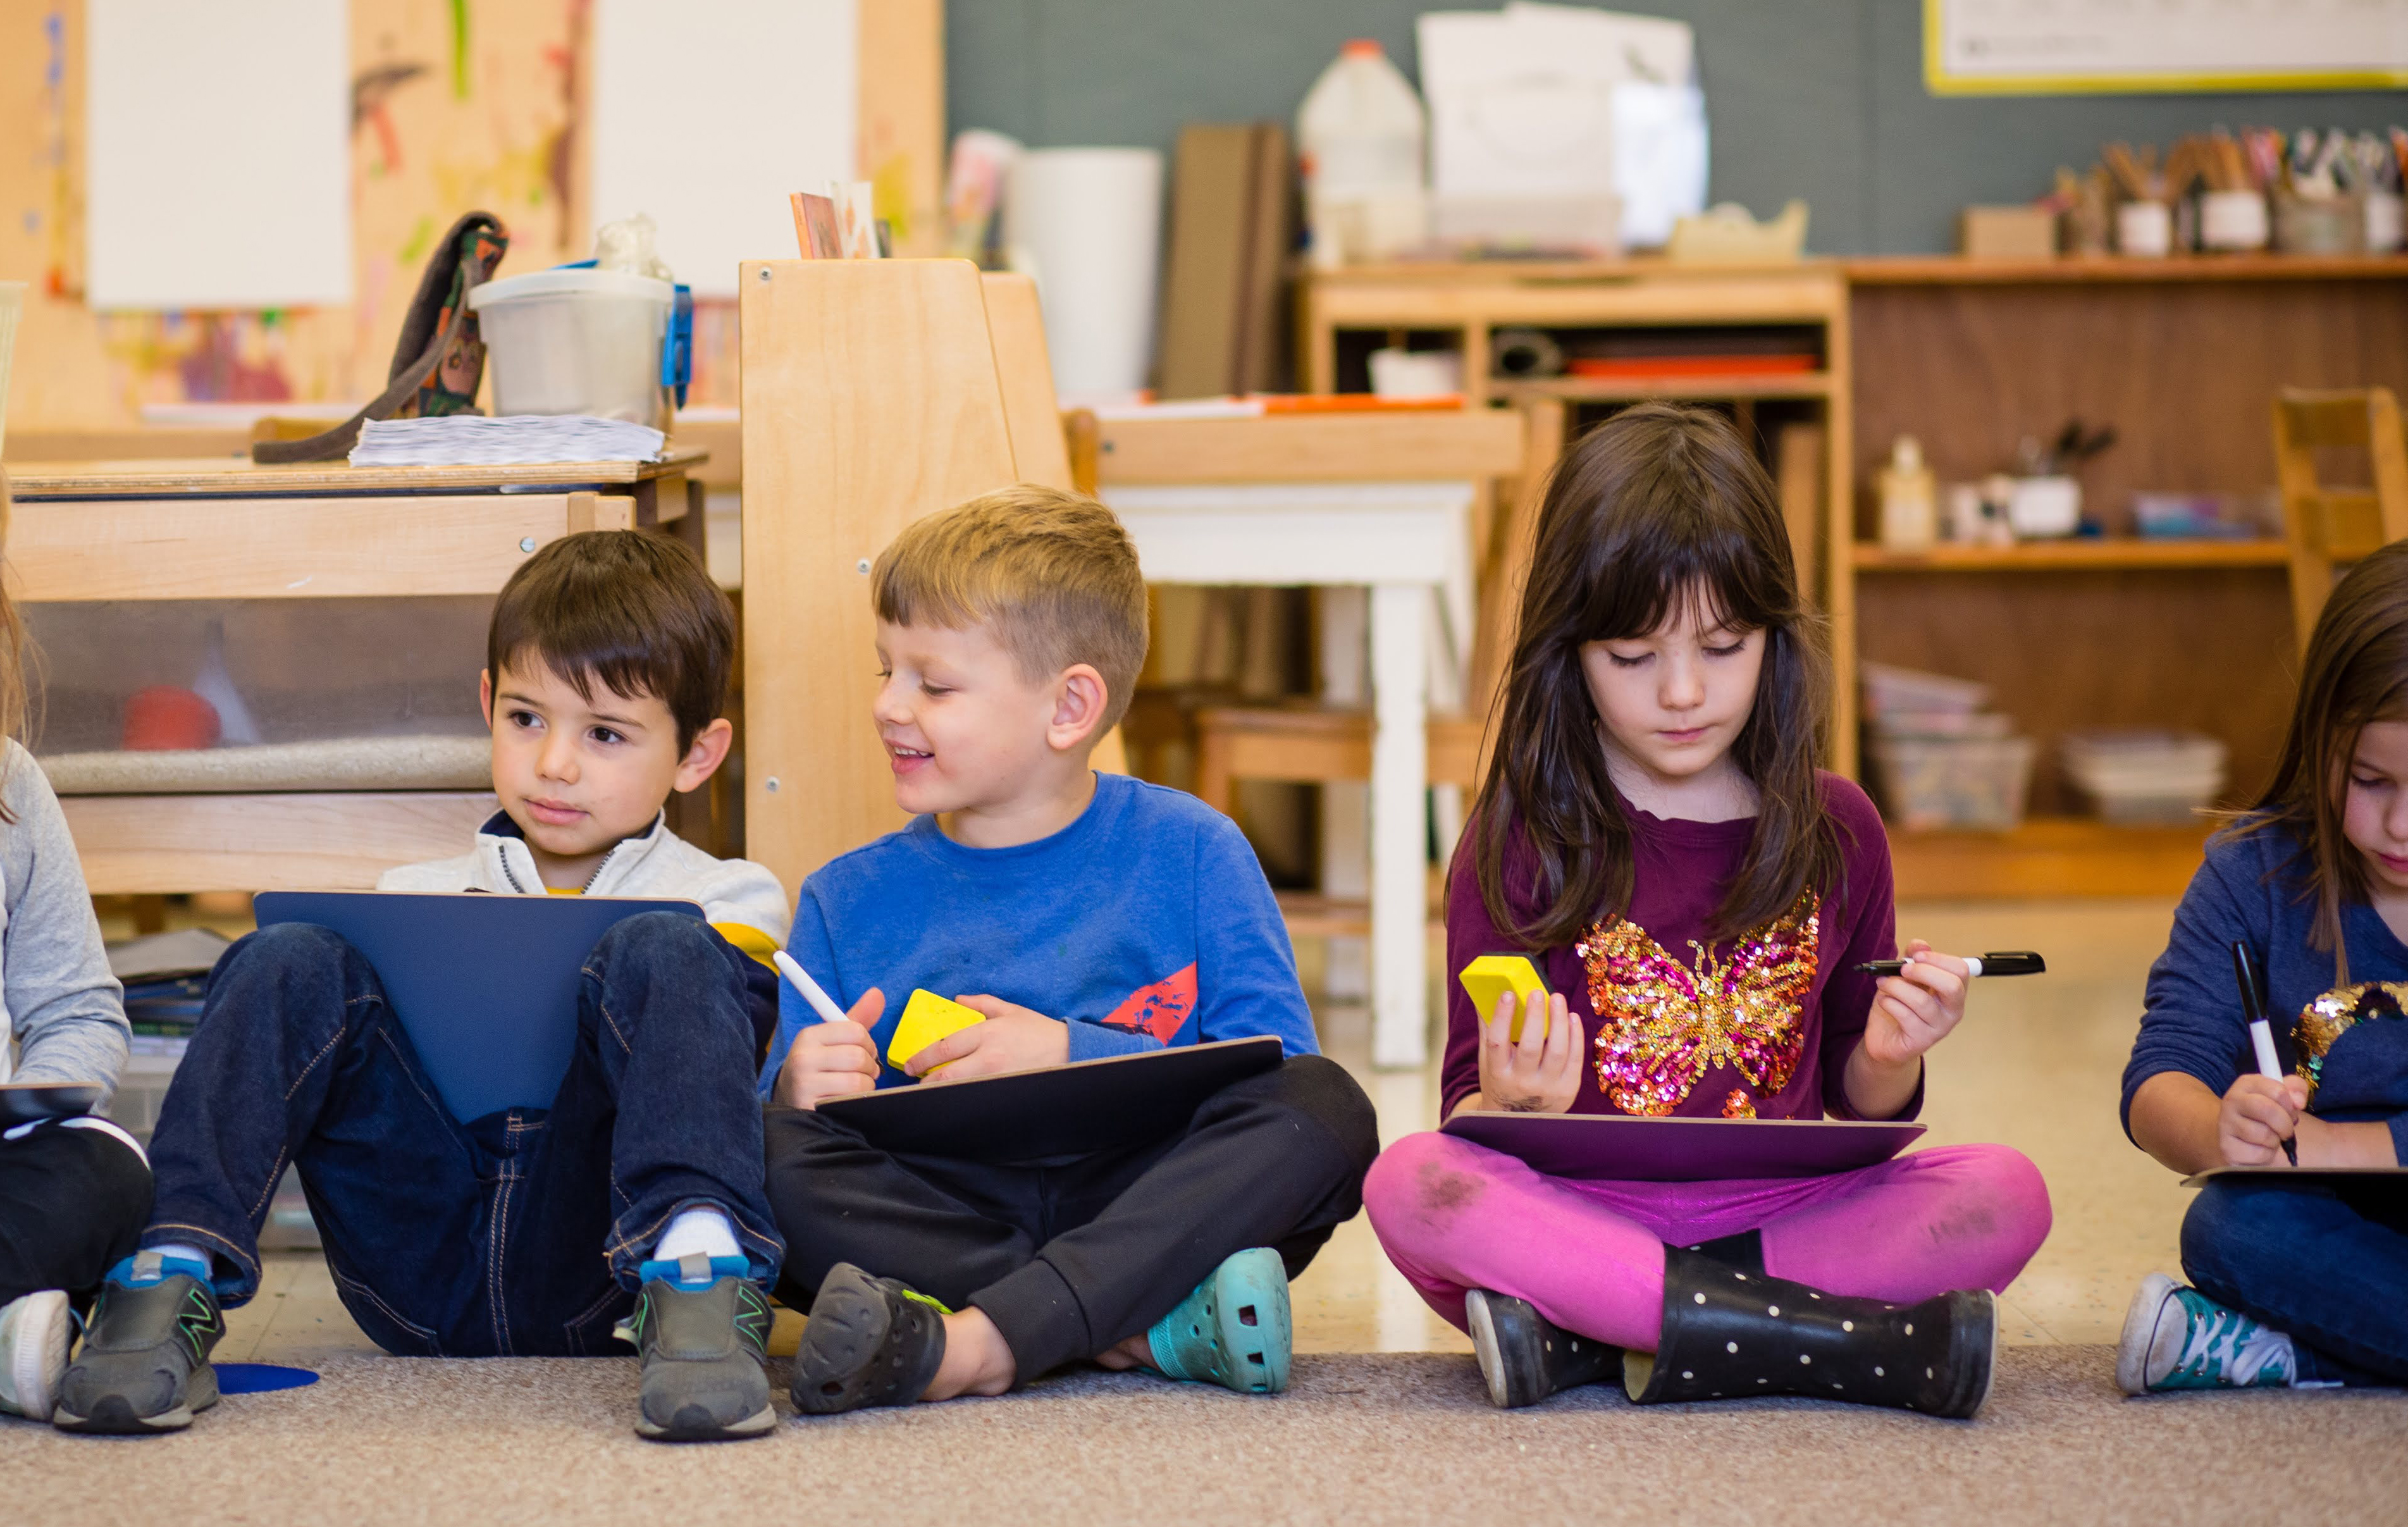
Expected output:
{"points": [[485, 986], [1619, 1148], [1067, 1110]]}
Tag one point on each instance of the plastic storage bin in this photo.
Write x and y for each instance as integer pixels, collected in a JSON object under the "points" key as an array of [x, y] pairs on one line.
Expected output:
{"points": [[577, 340], [2143, 777], [1953, 782]]}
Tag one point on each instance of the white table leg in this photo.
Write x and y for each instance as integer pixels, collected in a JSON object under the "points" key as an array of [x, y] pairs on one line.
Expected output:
{"points": [[1399, 769], [1345, 667]]}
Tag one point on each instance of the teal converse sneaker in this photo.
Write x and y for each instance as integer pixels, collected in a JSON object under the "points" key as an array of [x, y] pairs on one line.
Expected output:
{"points": [[2177, 1338], [144, 1364], [34, 1329], [702, 1327], [1234, 1329]]}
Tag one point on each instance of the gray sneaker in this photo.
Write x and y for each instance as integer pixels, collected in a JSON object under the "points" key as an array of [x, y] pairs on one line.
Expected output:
{"points": [[703, 1330], [145, 1364]]}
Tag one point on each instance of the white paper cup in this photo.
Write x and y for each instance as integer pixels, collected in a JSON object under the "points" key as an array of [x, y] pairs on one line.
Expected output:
{"points": [[2145, 229], [2232, 220]]}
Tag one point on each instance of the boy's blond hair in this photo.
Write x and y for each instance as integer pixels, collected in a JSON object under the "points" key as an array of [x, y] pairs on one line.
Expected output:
{"points": [[1052, 572]]}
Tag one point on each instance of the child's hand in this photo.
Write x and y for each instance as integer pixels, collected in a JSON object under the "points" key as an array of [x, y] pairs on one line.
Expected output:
{"points": [[1012, 1038], [2257, 1115], [1914, 1009], [1537, 1073], [832, 1059]]}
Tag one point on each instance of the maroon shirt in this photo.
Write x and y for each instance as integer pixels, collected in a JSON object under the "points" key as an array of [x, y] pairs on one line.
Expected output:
{"points": [[1759, 1026]]}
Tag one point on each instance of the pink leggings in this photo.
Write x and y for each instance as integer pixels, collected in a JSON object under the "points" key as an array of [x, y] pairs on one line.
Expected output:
{"points": [[1454, 1215]]}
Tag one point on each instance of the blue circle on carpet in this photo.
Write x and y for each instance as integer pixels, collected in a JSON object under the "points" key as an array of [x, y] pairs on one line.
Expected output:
{"points": [[261, 1378]]}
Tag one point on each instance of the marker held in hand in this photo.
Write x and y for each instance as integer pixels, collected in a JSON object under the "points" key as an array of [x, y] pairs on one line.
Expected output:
{"points": [[800, 979]]}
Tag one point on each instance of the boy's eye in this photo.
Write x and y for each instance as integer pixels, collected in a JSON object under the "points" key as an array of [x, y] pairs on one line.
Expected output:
{"points": [[935, 691], [604, 734], [526, 718]]}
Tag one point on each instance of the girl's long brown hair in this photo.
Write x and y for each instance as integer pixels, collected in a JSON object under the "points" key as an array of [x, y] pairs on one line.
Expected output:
{"points": [[1659, 508], [2356, 672]]}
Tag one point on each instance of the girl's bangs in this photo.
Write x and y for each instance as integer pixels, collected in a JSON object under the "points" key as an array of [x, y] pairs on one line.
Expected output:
{"points": [[1641, 582]]}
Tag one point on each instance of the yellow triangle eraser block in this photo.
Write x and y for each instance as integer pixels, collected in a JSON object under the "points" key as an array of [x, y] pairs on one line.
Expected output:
{"points": [[927, 1018], [1491, 976]]}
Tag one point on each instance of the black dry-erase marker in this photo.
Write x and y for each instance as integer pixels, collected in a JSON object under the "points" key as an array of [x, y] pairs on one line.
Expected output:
{"points": [[2247, 975], [1998, 962]]}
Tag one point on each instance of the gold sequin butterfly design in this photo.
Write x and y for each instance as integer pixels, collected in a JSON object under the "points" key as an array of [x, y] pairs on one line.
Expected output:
{"points": [[1662, 1025]]}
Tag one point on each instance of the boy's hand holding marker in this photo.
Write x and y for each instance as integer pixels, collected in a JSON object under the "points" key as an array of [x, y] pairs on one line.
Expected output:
{"points": [[835, 1057]]}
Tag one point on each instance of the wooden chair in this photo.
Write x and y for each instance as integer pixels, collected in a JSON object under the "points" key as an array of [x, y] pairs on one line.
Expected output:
{"points": [[1313, 745], [2325, 525]]}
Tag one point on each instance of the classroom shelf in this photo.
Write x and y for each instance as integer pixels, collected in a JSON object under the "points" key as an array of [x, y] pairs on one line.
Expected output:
{"points": [[2117, 553], [1626, 389], [2048, 856], [1958, 270]]}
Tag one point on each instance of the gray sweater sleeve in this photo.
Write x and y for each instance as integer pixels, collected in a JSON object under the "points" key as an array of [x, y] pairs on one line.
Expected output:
{"points": [[65, 1010]]}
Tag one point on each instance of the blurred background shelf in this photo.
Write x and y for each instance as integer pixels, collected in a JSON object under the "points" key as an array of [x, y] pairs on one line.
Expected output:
{"points": [[2048, 856], [2117, 553]]}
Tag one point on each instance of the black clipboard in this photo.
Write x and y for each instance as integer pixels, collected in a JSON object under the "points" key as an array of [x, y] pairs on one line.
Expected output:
{"points": [[23, 1102], [1621, 1147], [1067, 1110], [2395, 1177], [486, 987]]}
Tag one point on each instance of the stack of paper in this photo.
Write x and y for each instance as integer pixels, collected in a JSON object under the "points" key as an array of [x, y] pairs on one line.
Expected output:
{"points": [[471, 439]]}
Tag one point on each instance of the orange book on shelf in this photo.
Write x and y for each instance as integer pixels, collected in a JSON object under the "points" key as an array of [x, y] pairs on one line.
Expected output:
{"points": [[817, 232]]}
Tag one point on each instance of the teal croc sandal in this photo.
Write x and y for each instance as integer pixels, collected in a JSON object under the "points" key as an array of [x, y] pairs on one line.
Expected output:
{"points": [[1233, 1331]]}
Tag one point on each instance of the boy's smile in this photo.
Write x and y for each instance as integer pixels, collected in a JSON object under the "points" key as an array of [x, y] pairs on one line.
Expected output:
{"points": [[577, 775], [996, 757]]}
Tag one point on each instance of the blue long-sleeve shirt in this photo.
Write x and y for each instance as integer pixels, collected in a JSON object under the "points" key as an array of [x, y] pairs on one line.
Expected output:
{"points": [[1144, 923], [2249, 891]]}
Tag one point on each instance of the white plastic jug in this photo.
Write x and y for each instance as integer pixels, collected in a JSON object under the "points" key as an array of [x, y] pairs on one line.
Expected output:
{"points": [[574, 340], [1361, 132]]}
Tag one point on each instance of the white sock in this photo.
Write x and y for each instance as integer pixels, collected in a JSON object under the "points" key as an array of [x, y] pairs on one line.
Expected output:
{"points": [[189, 1253], [705, 1231]]}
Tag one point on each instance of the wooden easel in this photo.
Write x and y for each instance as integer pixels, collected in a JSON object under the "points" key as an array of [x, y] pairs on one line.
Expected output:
{"points": [[874, 391]]}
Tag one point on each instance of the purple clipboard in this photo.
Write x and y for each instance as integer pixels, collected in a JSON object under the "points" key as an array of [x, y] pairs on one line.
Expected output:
{"points": [[1619, 1148]]}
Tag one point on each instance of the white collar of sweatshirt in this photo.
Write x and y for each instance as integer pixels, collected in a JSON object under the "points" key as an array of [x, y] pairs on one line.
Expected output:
{"points": [[507, 865]]}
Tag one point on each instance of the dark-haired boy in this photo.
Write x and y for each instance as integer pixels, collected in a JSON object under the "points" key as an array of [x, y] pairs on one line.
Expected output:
{"points": [[631, 1206]]}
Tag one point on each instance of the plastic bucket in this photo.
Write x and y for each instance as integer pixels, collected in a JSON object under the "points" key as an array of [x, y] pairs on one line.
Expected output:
{"points": [[577, 341]]}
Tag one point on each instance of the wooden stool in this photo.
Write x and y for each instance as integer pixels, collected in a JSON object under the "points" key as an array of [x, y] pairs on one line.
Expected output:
{"points": [[2328, 526], [1313, 744]]}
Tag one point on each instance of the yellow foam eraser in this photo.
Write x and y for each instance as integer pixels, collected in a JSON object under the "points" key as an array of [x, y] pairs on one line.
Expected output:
{"points": [[927, 1018], [1491, 977]]}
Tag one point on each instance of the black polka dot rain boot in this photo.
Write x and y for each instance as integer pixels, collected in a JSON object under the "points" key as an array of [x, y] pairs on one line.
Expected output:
{"points": [[1730, 1333]]}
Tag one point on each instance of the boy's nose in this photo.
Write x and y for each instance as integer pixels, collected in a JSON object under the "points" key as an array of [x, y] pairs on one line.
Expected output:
{"points": [[557, 761]]}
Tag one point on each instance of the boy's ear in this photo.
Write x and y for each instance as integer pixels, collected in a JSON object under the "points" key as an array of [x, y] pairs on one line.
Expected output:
{"points": [[703, 758], [485, 696], [1080, 700]]}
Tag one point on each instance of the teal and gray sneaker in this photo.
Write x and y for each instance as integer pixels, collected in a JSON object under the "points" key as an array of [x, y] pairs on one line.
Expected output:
{"points": [[1234, 1329], [702, 1327], [145, 1364], [2177, 1338]]}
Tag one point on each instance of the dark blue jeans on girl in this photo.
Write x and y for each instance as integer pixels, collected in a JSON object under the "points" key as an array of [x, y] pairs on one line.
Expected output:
{"points": [[2328, 1268], [515, 1234]]}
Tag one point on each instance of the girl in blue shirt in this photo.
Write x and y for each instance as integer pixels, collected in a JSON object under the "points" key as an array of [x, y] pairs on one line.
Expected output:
{"points": [[2294, 1283]]}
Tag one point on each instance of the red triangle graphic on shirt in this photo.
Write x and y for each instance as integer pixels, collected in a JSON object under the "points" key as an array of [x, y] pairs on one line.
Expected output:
{"points": [[1160, 1008]]}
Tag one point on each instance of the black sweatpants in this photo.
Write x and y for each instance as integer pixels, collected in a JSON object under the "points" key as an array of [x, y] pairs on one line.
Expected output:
{"points": [[1067, 1258], [72, 1199]]}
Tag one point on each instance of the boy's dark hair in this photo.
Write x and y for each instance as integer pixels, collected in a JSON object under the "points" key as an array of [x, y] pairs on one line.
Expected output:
{"points": [[632, 608]]}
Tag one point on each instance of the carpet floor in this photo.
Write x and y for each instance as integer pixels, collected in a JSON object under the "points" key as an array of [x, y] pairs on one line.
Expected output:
{"points": [[1397, 1438]]}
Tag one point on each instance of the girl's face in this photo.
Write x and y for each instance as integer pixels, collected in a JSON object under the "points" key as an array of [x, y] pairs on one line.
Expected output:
{"points": [[2374, 805], [1673, 701]]}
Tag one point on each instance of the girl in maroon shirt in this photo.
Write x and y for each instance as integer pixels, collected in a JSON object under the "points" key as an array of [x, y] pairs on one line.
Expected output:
{"points": [[1653, 833]]}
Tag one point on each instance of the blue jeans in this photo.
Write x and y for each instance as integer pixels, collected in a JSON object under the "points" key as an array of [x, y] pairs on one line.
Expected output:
{"points": [[2328, 1268], [515, 1234]]}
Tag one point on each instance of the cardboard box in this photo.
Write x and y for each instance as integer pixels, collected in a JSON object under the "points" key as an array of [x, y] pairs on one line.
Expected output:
{"points": [[2007, 232]]}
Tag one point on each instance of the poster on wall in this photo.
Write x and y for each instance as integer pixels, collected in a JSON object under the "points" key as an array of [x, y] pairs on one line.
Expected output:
{"points": [[2064, 47], [708, 114], [218, 158]]}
